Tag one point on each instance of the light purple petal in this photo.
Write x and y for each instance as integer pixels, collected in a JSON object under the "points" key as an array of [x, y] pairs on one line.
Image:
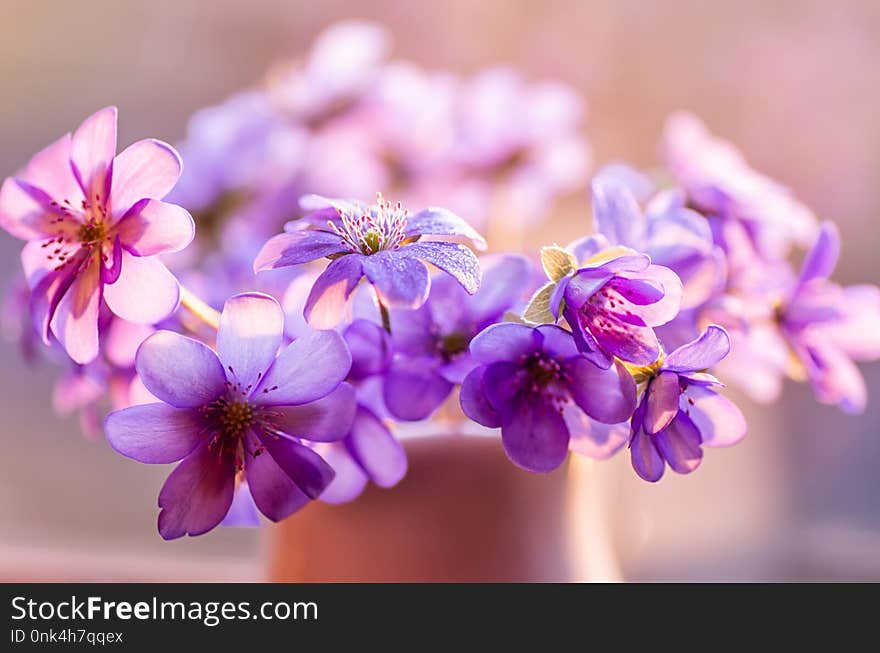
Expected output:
{"points": [[350, 479], [154, 433], [274, 492], [645, 459], [180, 371], [668, 307], [679, 444], [719, 421], [75, 321], [23, 215], [606, 395], [588, 246], [147, 169], [556, 341], [702, 353], [661, 402], [309, 471], [251, 327], [295, 247], [326, 303], [324, 420], [122, 339], [534, 435], [617, 214], [243, 511], [637, 291], [376, 449], [309, 368], [591, 438], [435, 221], [583, 285], [370, 348], [454, 259], [197, 494], [413, 389], [474, 402], [155, 227], [822, 257], [413, 332], [145, 293], [504, 282], [502, 342], [632, 263], [93, 147]]}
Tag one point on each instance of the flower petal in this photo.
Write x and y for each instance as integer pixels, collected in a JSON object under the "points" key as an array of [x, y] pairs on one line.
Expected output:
{"points": [[325, 420], [93, 147], [309, 471], [147, 169], [719, 421], [376, 450], [413, 389], [272, 489], [309, 368], [23, 215], [243, 511], [442, 222], [606, 395], [637, 291], [145, 293], [295, 247], [350, 479], [661, 402], [821, 260], [180, 371], [667, 308], [75, 322], [645, 459], [710, 347], [155, 227], [474, 402], [326, 303], [197, 494], [370, 348], [534, 435], [50, 171], [251, 327], [454, 259], [399, 280], [502, 286], [503, 342], [616, 213], [679, 444], [591, 438], [154, 433]]}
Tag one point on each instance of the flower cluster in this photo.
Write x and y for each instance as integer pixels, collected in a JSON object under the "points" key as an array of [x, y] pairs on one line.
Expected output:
{"points": [[311, 329]]}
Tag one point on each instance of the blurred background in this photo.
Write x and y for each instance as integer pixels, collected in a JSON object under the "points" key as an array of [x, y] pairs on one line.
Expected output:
{"points": [[796, 85]]}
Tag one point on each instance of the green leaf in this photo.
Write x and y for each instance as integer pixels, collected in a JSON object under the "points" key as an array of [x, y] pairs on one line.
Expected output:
{"points": [[538, 310], [557, 262]]}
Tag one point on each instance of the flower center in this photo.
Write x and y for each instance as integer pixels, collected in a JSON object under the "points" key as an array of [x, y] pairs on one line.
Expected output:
{"points": [[542, 371], [374, 228], [453, 344], [83, 229], [228, 419]]}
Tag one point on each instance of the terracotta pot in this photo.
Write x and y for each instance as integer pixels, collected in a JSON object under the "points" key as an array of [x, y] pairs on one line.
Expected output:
{"points": [[463, 513]]}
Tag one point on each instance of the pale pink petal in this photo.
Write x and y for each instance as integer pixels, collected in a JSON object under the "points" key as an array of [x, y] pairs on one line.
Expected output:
{"points": [[146, 169], [75, 322], [145, 293], [92, 150], [156, 228]]}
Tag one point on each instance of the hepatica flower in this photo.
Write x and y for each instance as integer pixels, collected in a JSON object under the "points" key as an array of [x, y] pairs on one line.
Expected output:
{"points": [[543, 393], [94, 223], [681, 411], [380, 242], [244, 411]]}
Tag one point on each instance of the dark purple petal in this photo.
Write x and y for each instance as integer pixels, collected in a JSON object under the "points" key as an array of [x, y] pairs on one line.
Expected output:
{"points": [[456, 369], [45, 297], [370, 348], [376, 450], [309, 368], [154, 433], [326, 303], [534, 435], [295, 247], [197, 494], [110, 274], [606, 395], [631, 343], [661, 401], [454, 259], [324, 420], [506, 341], [822, 257], [413, 389], [435, 221], [556, 341], [502, 383], [308, 470], [251, 327], [583, 285], [399, 280], [719, 421], [679, 444], [413, 332], [180, 371], [638, 291], [274, 492], [474, 402], [700, 354], [645, 458]]}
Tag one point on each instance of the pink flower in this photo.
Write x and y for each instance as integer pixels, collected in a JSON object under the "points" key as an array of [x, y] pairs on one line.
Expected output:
{"points": [[94, 224]]}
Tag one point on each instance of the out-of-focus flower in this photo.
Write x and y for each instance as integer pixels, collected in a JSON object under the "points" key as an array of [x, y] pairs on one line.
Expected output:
{"points": [[681, 411], [431, 344], [94, 223], [719, 182], [543, 393], [242, 411], [379, 242]]}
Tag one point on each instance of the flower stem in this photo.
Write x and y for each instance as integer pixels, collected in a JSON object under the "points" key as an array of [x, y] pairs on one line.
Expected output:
{"points": [[199, 308]]}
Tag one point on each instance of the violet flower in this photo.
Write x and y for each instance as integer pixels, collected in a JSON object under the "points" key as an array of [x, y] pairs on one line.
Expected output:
{"points": [[94, 223], [379, 242], [431, 344], [543, 393], [681, 411], [242, 412]]}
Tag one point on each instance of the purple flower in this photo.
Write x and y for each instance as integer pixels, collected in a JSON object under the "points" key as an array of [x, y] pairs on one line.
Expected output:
{"points": [[613, 301], [544, 394], [431, 344], [379, 242], [680, 411], [242, 412], [94, 224]]}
